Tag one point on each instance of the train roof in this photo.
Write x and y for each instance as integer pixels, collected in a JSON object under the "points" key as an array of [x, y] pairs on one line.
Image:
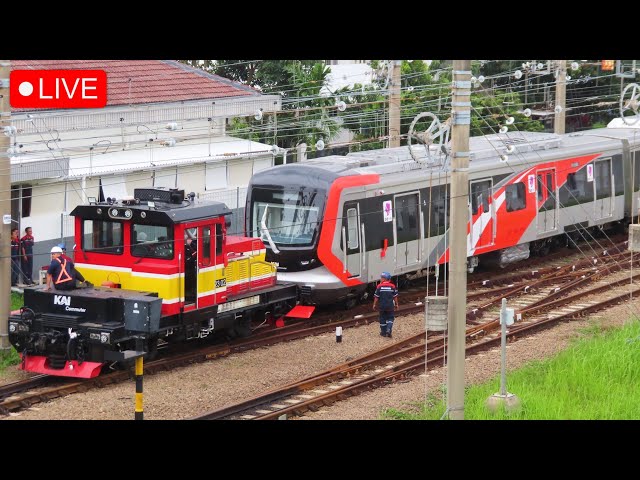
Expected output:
{"points": [[160, 213], [486, 152]]}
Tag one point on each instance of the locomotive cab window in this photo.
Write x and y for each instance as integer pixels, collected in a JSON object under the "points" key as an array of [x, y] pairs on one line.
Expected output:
{"points": [[515, 197], [219, 239], [151, 241], [206, 246], [102, 237]]}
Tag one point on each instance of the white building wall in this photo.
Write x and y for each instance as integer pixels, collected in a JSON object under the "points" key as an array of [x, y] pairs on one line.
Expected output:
{"points": [[47, 205], [191, 178], [138, 180], [240, 171]]}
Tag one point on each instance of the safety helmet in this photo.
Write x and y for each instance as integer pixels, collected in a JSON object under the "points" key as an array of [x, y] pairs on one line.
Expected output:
{"points": [[385, 275], [62, 246], [56, 249]]}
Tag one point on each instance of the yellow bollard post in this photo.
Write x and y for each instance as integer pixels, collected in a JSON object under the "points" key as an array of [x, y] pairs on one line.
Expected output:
{"points": [[139, 370]]}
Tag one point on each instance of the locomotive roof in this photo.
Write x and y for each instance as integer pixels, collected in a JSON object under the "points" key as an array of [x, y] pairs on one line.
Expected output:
{"points": [[161, 213]]}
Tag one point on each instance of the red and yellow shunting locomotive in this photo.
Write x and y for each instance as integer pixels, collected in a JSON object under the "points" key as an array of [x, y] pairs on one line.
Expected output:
{"points": [[164, 269]]}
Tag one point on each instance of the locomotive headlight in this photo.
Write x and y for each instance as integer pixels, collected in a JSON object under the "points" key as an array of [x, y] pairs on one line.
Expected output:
{"points": [[13, 327], [105, 337], [94, 336], [128, 213], [114, 212]]}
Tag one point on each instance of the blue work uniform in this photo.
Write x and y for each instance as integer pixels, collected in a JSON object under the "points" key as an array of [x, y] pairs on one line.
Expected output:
{"points": [[385, 293], [15, 262], [62, 273]]}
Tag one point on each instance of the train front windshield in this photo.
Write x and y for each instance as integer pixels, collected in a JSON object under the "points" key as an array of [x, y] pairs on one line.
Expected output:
{"points": [[291, 217]]}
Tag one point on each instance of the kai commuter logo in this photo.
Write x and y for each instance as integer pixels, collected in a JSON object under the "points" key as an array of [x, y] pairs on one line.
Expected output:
{"points": [[58, 89], [61, 300], [66, 301]]}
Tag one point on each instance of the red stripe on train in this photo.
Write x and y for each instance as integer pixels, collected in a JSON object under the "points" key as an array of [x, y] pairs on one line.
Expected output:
{"points": [[326, 256]]}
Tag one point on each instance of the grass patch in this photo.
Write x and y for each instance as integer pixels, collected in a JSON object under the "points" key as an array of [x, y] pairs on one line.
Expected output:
{"points": [[16, 300], [10, 357], [593, 379]]}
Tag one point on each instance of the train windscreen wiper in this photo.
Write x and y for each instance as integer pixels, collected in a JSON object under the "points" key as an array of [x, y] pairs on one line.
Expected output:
{"points": [[264, 231]]}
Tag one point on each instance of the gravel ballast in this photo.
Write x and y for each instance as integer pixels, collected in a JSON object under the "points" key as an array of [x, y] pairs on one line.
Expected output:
{"points": [[199, 388]]}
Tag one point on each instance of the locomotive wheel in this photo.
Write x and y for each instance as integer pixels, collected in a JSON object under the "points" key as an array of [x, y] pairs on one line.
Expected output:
{"points": [[242, 327], [349, 303]]}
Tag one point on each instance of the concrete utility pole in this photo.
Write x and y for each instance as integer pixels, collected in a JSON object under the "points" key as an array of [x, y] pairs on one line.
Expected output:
{"points": [[394, 105], [561, 96], [5, 207], [461, 107]]}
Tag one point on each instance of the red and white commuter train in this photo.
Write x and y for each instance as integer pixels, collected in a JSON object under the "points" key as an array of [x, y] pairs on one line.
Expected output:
{"points": [[334, 223]]}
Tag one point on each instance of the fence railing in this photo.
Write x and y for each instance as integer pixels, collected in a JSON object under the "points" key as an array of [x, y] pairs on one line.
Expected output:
{"points": [[232, 197]]}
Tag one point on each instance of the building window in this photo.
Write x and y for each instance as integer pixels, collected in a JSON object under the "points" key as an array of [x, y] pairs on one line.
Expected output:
{"points": [[20, 201]]}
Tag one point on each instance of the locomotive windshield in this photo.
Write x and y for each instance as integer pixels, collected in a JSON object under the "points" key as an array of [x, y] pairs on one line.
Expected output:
{"points": [[154, 241], [291, 216], [102, 236]]}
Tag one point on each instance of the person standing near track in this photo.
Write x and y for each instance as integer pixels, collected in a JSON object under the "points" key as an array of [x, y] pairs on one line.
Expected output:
{"points": [[15, 257], [26, 252], [386, 296]]}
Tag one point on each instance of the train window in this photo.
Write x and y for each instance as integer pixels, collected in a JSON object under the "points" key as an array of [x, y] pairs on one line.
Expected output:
{"points": [[436, 210], [152, 241], [515, 197], [407, 211], [540, 189], [352, 228], [480, 193], [102, 237], [219, 239], [577, 189], [206, 245], [290, 217], [603, 179], [618, 175]]}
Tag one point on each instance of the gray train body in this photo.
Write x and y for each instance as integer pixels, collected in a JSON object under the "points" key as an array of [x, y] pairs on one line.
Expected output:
{"points": [[334, 223]]}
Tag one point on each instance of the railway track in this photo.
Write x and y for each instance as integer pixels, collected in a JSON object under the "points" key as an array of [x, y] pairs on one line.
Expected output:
{"points": [[25, 394], [535, 311]]}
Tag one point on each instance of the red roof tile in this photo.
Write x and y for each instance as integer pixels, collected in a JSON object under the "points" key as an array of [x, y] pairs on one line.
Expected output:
{"points": [[148, 81]]}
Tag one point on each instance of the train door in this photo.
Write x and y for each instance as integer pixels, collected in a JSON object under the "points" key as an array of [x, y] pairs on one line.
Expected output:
{"points": [[603, 189], [206, 270], [547, 202], [483, 215], [352, 240], [190, 261], [407, 227]]}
